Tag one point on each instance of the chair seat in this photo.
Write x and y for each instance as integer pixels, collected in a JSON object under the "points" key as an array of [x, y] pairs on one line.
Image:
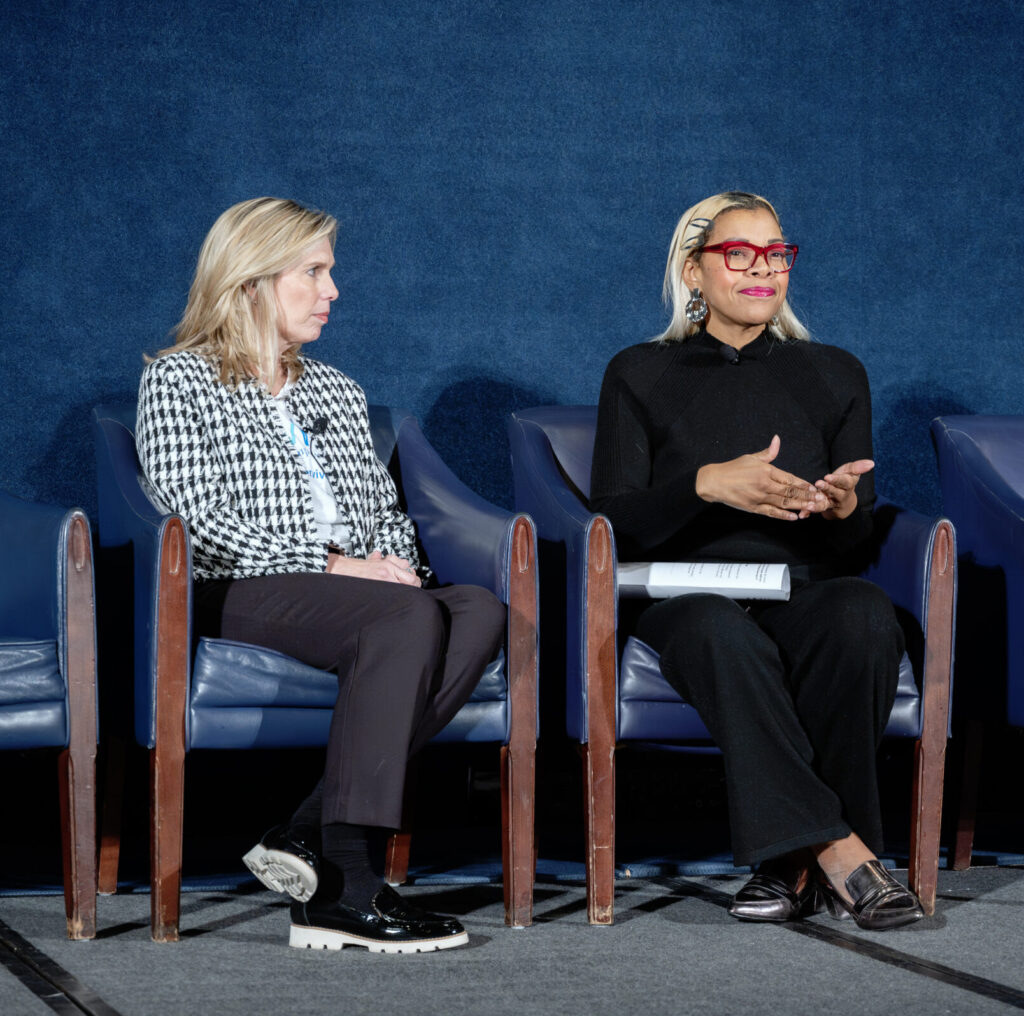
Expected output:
{"points": [[246, 696], [227, 674], [650, 709], [33, 697], [29, 672]]}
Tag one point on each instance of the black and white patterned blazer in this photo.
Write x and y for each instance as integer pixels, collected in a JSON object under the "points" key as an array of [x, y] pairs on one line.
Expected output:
{"points": [[219, 458]]}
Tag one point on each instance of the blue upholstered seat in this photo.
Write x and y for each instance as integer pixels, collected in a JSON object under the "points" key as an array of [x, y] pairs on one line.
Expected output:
{"points": [[650, 709], [245, 696], [615, 692], [236, 695], [33, 695]]}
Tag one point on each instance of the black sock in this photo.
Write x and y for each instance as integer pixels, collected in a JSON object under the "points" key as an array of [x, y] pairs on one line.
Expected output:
{"points": [[346, 848], [307, 815]]}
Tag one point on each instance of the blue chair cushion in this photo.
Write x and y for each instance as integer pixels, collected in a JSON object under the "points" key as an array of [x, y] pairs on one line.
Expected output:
{"points": [[486, 716], [651, 710], [227, 674], [33, 701], [246, 696]]}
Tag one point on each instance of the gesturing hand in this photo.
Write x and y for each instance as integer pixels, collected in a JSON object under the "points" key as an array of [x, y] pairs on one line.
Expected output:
{"points": [[384, 569], [840, 488], [752, 484]]}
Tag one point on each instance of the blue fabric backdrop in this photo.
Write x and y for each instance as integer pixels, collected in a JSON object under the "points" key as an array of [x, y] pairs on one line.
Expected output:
{"points": [[508, 175]]}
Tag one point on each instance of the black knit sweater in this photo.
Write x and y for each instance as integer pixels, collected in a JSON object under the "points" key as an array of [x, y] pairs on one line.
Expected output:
{"points": [[668, 408]]}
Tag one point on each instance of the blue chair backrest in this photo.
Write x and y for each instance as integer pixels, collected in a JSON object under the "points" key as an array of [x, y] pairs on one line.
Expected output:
{"points": [[570, 431]]}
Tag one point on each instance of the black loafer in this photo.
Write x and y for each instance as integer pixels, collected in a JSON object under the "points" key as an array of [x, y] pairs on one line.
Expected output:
{"points": [[879, 901], [769, 897], [286, 862], [390, 925]]}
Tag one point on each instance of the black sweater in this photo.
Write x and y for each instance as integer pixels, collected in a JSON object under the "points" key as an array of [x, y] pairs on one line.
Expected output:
{"points": [[668, 408]]}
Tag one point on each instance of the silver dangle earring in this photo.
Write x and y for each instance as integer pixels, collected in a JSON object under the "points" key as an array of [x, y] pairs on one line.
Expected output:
{"points": [[696, 308]]}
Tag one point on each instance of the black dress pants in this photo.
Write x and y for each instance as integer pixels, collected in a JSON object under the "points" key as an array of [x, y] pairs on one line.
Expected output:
{"points": [[407, 659], [796, 694]]}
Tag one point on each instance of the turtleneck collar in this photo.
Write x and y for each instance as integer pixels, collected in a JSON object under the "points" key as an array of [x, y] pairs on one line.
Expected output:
{"points": [[762, 344]]}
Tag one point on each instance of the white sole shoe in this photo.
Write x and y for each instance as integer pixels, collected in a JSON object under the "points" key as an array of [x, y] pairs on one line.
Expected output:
{"points": [[282, 872], [305, 937]]}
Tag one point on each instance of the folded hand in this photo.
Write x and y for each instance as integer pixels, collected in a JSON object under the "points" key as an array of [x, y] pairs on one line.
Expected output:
{"points": [[383, 568], [840, 487], [752, 484]]}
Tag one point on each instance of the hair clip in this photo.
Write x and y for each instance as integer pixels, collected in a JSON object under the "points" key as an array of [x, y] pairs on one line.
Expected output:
{"points": [[703, 225]]}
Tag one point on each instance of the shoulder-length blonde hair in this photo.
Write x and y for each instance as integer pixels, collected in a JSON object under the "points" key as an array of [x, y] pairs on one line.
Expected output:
{"points": [[231, 314], [691, 233]]}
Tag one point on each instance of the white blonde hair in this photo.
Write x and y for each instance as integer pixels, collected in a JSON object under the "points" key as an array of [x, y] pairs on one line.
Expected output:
{"points": [[692, 232], [231, 314]]}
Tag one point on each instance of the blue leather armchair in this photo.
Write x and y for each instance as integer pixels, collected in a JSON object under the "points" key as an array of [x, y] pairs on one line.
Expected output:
{"points": [[981, 472], [233, 695], [615, 692], [48, 673]]}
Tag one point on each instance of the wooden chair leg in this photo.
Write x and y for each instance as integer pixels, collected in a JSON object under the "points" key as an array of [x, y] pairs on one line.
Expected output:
{"points": [[599, 751], [77, 764], [518, 850], [599, 809], [926, 824], [78, 841], [518, 757], [396, 860], [967, 806], [167, 791], [930, 750], [507, 846], [111, 810], [399, 844], [167, 756]]}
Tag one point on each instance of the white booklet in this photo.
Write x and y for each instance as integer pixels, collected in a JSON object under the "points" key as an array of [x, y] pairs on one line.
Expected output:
{"points": [[741, 581]]}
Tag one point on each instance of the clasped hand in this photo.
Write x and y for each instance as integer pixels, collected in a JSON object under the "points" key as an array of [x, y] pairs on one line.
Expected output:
{"points": [[752, 484], [382, 567]]}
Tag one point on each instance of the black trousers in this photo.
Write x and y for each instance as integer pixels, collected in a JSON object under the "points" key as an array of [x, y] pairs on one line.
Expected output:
{"points": [[796, 694], [407, 659]]}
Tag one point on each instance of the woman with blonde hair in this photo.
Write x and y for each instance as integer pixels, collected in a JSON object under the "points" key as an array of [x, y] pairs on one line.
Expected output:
{"points": [[731, 437], [299, 545]]}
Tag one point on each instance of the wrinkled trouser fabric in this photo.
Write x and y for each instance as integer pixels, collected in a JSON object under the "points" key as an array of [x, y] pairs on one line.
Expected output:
{"points": [[407, 659], [796, 694]]}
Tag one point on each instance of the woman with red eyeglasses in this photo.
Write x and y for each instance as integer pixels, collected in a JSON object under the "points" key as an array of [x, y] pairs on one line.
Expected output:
{"points": [[731, 437]]}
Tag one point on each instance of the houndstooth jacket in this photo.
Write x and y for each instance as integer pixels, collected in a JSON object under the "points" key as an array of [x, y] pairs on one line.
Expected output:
{"points": [[219, 458]]}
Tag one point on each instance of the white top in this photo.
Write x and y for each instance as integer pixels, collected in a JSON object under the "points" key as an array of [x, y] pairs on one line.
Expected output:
{"points": [[329, 525]]}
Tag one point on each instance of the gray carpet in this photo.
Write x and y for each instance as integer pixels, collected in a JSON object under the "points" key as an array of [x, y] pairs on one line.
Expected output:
{"points": [[673, 949]]}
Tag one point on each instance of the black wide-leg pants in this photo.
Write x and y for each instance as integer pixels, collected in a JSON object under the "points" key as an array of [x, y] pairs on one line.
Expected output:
{"points": [[407, 659], [796, 694]]}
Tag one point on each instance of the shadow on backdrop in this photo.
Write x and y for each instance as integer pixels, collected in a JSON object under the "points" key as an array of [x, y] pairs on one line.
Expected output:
{"points": [[65, 474], [905, 460], [466, 424]]}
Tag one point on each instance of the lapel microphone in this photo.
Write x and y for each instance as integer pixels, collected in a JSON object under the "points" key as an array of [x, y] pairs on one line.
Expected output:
{"points": [[729, 354]]}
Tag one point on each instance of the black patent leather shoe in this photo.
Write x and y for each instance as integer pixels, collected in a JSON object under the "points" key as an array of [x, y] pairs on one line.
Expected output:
{"points": [[770, 896], [286, 861], [879, 901], [389, 925]]}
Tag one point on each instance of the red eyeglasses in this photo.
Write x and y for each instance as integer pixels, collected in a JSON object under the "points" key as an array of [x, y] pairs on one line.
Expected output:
{"points": [[740, 255]]}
